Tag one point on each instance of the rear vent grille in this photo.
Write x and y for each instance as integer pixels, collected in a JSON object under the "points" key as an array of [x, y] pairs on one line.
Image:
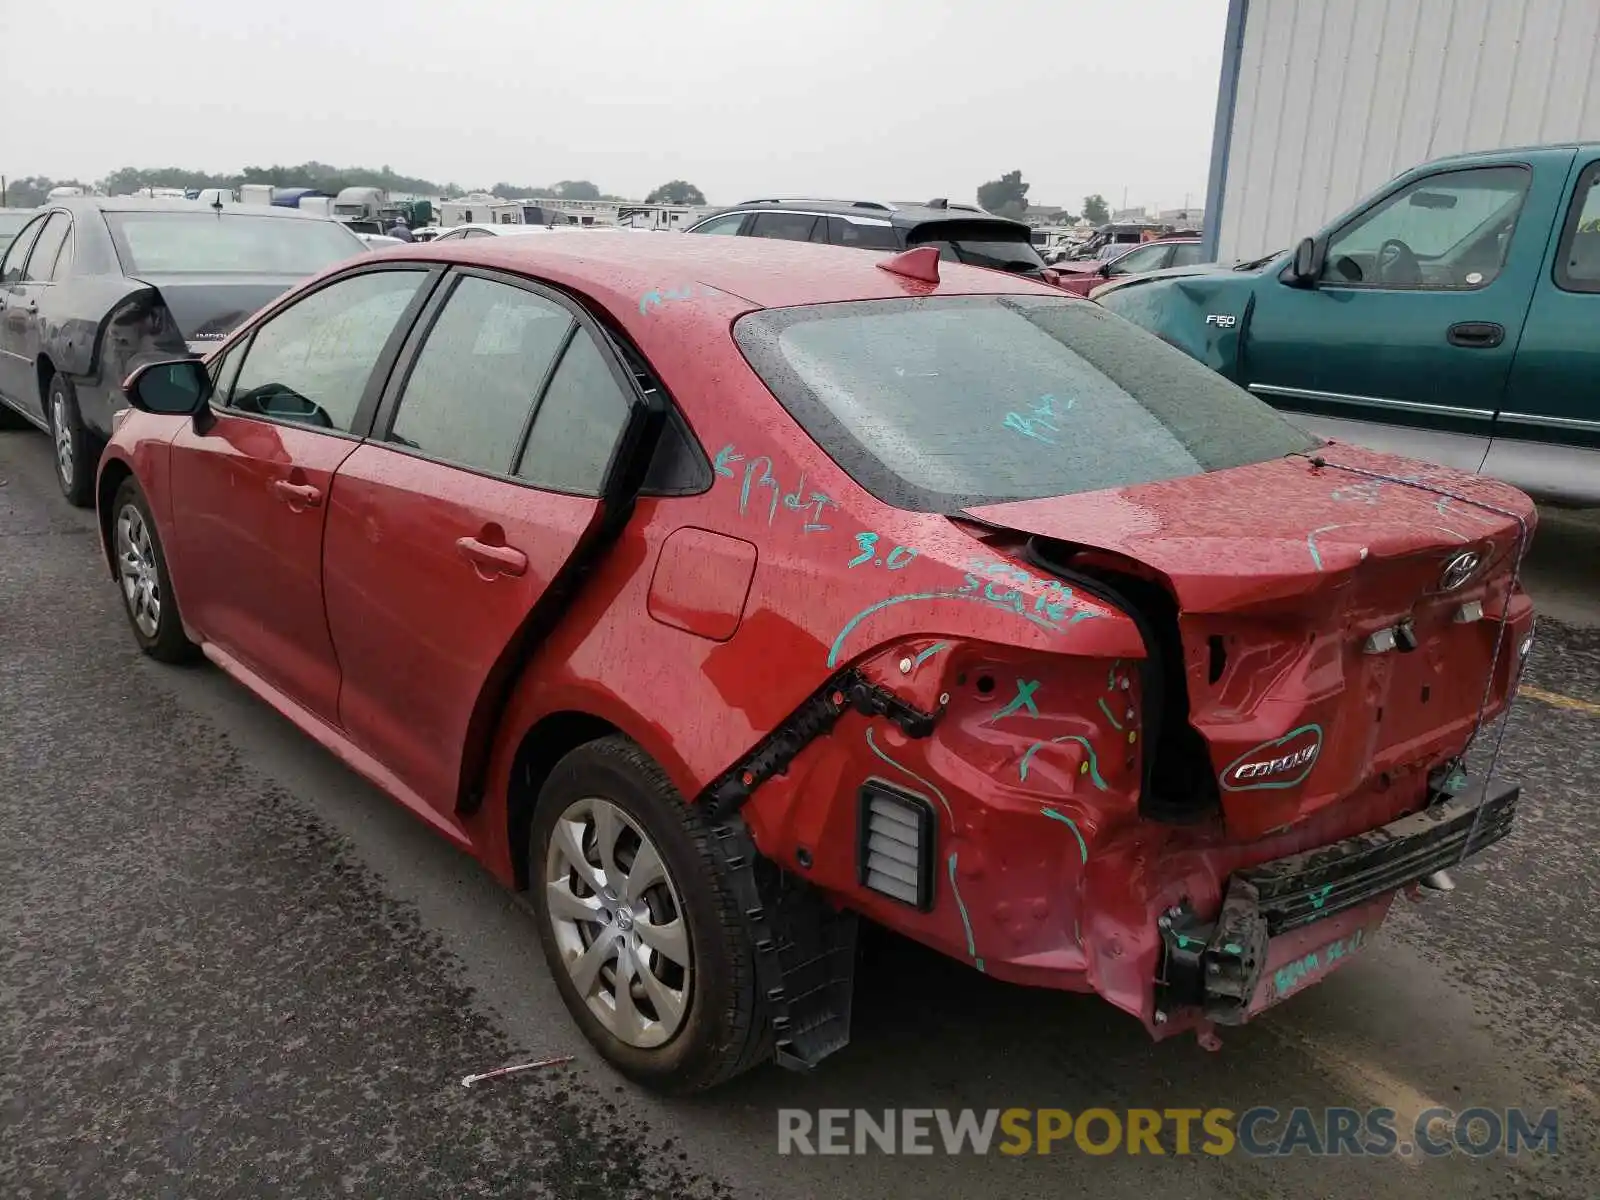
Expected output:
{"points": [[895, 844]]}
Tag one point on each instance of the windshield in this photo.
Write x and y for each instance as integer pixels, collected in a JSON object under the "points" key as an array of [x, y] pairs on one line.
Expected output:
{"points": [[939, 403], [227, 243]]}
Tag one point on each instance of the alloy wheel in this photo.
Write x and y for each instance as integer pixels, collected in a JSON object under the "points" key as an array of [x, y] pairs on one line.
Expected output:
{"points": [[137, 570], [618, 922], [62, 432]]}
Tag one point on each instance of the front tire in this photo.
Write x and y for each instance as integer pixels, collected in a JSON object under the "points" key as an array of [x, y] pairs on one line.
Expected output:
{"points": [[142, 578], [638, 924], [77, 451]]}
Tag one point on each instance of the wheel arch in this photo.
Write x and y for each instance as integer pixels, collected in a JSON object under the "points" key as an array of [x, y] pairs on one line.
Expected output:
{"points": [[112, 474], [545, 743], [44, 370]]}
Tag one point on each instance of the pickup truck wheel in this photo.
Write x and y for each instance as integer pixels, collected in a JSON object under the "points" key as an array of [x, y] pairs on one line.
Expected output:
{"points": [[638, 925], [143, 580], [76, 449]]}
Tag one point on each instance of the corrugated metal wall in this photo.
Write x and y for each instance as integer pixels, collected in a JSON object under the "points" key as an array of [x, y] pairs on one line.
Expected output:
{"points": [[1337, 96]]}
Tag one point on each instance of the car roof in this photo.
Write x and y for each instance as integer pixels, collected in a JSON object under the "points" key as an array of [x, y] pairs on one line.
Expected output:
{"points": [[142, 204], [766, 272], [903, 215]]}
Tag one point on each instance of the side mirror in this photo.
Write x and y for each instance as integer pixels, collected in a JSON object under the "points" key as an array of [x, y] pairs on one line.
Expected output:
{"points": [[178, 388], [1309, 256]]}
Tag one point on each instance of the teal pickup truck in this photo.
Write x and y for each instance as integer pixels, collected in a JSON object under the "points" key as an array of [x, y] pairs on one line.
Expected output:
{"points": [[1453, 316]]}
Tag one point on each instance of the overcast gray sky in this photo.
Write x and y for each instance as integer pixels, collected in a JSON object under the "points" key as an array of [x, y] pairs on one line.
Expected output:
{"points": [[897, 99]]}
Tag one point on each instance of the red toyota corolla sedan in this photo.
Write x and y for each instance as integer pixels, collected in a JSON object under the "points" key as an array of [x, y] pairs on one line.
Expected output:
{"points": [[719, 592]]}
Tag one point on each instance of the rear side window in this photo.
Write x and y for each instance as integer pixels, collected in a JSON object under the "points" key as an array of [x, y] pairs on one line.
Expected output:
{"points": [[862, 236], [1578, 260], [794, 227], [472, 389], [42, 262], [579, 422], [938, 403]]}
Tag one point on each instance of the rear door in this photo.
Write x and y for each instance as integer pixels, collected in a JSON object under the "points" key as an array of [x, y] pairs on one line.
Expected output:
{"points": [[1406, 342], [1547, 434], [787, 226], [483, 478], [251, 486]]}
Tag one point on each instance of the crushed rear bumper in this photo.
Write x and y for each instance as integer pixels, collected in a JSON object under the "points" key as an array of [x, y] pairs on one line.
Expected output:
{"points": [[1284, 923]]}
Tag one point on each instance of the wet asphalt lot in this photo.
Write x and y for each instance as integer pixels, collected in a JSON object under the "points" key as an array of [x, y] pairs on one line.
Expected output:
{"points": [[228, 967]]}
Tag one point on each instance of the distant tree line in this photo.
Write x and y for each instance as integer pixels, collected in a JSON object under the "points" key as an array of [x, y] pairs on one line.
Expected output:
{"points": [[30, 191]]}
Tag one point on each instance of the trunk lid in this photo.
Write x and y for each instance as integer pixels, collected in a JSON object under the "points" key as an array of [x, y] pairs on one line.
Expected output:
{"points": [[206, 308], [1283, 573]]}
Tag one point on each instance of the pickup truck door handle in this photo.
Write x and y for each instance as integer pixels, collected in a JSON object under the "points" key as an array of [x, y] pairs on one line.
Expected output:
{"points": [[490, 560], [297, 494], [1477, 335]]}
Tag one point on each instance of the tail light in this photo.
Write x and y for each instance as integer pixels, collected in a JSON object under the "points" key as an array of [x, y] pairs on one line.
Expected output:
{"points": [[895, 841]]}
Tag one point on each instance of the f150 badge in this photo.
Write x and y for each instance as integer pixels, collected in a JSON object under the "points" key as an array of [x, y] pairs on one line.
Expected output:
{"points": [[1222, 320], [1280, 763]]}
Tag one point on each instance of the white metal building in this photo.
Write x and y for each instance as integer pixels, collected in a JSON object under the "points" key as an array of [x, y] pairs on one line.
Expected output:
{"points": [[1321, 101]]}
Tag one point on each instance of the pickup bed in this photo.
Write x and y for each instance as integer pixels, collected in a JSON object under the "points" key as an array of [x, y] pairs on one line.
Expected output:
{"points": [[1451, 316]]}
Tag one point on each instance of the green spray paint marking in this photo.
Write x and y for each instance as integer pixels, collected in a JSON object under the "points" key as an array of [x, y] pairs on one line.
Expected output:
{"points": [[1083, 847], [1024, 700], [929, 653], [966, 922], [873, 746], [1093, 764], [1320, 896], [1106, 708]]}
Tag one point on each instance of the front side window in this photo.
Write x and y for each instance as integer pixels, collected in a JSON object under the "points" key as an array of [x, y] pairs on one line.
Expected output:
{"points": [[477, 376], [17, 253], [229, 243], [579, 422], [1440, 233], [727, 225], [1578, 259], [939, 403], [41, 263], [310, 363], [790, 226]]}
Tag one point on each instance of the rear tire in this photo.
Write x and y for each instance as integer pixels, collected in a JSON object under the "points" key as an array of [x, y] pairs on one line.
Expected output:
{"points": [[678, 1026], [77, 450], [143, 581]]}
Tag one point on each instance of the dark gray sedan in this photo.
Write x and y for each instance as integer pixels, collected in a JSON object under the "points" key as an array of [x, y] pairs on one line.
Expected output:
{"points": [[91, 287]]}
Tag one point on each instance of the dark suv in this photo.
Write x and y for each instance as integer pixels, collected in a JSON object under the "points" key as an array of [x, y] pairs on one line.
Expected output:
{"points": [[962, 232]]}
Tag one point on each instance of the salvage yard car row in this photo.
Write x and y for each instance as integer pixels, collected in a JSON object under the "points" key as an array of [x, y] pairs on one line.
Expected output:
{"points": [[722, 592]]}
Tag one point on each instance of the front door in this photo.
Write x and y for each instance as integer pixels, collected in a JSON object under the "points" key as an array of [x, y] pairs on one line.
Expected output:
{"points": [[17, 381], [483, 476], [1407, 339], [1547, 434], [250, 488]]}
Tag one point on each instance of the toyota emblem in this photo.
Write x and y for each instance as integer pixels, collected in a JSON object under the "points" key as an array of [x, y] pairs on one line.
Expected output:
{"points": [[1459, 570]]}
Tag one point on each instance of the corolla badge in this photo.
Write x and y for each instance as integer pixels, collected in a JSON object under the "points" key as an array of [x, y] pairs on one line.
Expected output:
{"points": [[1459, 570], [1280, 763]]}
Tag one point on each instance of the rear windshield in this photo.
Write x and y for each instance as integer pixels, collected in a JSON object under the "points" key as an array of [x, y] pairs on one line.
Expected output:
{"points": [[981, 243], [227, 243], [939, 403]]}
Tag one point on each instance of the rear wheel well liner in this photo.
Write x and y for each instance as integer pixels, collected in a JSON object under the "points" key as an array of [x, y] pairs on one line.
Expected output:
{"points": [[546, 742]]}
